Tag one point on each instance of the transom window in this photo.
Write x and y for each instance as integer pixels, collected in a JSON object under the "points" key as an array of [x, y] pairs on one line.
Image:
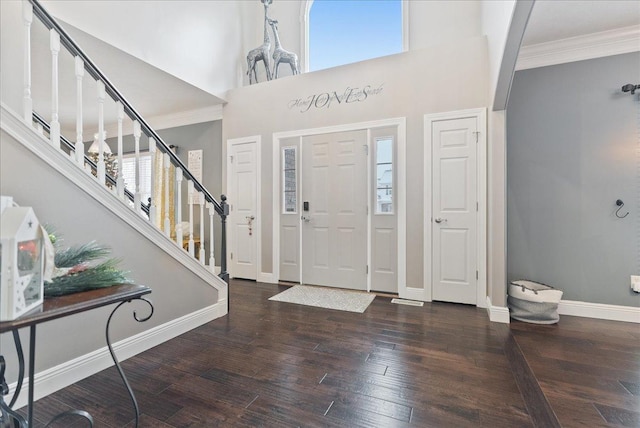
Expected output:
{"points": [[347, 31]]}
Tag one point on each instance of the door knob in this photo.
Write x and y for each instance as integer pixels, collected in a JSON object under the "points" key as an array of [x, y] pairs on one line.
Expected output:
{"points": [[440, 220], [306, 219], [251, 217]]}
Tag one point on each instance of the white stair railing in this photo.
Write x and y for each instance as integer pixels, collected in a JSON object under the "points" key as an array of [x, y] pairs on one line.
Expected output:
{"points": [[169, 181]]}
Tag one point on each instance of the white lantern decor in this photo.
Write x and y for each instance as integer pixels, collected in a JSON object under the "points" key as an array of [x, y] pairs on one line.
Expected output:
{"points": [[21, 262]]}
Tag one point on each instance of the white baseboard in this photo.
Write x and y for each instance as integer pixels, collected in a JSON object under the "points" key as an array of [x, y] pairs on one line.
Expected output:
{"points": [[70, 372], [599, 311], [267, 278], [413, 293], [497, 313]]}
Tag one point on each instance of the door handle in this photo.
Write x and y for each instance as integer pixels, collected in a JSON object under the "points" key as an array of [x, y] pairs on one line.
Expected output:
{"points": [[251, 217], [306, 219], [440, 220]]}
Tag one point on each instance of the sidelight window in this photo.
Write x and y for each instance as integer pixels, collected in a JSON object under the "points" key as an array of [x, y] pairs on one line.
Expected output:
{"points": [[384, 175], [289, 181], [128, 171]]}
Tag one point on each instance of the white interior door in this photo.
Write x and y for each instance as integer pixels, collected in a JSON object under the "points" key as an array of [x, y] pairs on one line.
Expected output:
{"points": [[334, 226], [454, 205], [243, 197]]}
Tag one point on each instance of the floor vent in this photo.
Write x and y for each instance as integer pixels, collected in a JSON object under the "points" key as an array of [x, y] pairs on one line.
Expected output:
{"points": [[407, 302]]}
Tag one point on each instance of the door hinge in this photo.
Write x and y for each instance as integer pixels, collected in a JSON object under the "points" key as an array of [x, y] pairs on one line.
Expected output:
{"points": [[367, 209], [477, 275], [367, 269], [231, 256], [477, 133], [231, 159], [477, 206]]}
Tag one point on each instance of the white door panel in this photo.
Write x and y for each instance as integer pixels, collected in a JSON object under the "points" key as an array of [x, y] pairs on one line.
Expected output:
{"points": [[334, 180], [243, 197], [454, 203]]}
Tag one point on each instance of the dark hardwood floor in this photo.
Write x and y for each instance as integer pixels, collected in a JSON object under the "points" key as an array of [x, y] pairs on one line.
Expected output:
{"points": [[442, 365]]}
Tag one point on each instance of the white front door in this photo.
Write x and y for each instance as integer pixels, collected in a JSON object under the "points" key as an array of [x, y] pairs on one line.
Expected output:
{"points": [[243, 198], [454, 210], [334, 210]]}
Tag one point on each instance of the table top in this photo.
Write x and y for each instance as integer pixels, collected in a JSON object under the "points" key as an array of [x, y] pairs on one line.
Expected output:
{"points": [[58, 307]]}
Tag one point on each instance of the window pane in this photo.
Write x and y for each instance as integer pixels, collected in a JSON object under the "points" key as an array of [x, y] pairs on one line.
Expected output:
{"points": [[348, 31], [384, 175], [289, 199]]}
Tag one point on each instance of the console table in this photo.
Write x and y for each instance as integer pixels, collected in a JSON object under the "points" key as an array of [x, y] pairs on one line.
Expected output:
{"points": [[54, 308]]}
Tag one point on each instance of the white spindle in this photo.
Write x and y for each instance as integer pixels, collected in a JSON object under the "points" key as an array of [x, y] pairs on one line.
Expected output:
{"points": [[167, 182], [54, 44], [27, 102], [137, 132], [190, 193], [101, 97], [212, 258], [153, 205], [79, 150], [179, 231], [120, 181], [201, 202]]}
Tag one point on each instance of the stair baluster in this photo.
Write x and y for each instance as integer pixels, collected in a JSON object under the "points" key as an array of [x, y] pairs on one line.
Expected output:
{"points": [[201, 254], [101, 98], [120, 179], [167, 182], [191, 195], [136, 137], [179, 231], [54, 44], [212, 258], [79, 151], [27, 19]]}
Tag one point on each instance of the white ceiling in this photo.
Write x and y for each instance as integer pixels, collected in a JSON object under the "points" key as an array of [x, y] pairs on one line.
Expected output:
{"points": [[560, 19]]}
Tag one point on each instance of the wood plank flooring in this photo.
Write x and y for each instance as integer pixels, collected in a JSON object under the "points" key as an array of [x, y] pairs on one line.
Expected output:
{"points": [[442, 365]]}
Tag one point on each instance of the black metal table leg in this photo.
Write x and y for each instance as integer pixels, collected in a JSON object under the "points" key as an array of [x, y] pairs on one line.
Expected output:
{"points": [[32, 365], [115, 359]]}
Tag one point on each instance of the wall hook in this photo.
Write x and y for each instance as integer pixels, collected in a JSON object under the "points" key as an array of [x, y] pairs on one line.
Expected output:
{"points": [[620, 204]]}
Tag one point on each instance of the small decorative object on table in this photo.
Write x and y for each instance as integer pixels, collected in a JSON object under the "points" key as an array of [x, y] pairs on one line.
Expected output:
{"points": [[21, 262]]}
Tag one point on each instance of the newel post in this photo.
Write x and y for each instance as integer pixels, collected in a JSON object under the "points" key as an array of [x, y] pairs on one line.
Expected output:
{"points": [[223, 236]]}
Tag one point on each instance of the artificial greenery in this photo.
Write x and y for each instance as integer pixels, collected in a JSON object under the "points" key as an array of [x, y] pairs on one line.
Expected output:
{"points": [[77, 269]]}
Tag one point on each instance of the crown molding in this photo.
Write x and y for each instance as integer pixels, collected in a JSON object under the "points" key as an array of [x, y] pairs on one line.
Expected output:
{"points": [[596, 45], [171, 120]]}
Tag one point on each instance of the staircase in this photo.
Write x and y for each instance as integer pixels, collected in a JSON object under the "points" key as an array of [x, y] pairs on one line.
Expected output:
{"points": [[166, 242]]}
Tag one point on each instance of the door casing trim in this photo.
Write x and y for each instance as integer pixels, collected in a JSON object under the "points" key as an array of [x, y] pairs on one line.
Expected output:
{"points": [[400, 123], [480, 114]]}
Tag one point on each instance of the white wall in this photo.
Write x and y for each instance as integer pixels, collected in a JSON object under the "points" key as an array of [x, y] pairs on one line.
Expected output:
{"points": [[196, 41], [440, 78]]}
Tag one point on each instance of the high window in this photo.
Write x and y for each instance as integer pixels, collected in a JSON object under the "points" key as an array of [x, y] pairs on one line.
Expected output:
{"points": [[347, 31]]}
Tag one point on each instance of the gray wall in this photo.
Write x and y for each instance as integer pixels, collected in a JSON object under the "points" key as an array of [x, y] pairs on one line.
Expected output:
{"points": [[79, 219], [572, 141]]}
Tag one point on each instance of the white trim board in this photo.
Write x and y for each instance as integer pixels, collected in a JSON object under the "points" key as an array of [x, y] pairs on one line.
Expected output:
{"points": [[599, 311], [481, 182], [498, 313], [589, 46], [65, 374], [58, 160], [401, 200]]}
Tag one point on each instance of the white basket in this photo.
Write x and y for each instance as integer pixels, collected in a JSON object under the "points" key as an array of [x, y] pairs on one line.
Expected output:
{"points": [[533, 302]]}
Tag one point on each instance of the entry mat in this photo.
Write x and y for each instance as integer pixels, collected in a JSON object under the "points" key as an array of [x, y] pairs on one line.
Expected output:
{"points": [[325, 297]]}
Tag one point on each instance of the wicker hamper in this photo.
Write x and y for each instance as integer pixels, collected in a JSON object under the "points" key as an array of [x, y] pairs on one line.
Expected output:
{"points": [[533, 302]]}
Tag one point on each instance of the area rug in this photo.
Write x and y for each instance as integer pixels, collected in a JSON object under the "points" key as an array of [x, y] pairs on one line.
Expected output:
{"points": [[324, 297]]}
